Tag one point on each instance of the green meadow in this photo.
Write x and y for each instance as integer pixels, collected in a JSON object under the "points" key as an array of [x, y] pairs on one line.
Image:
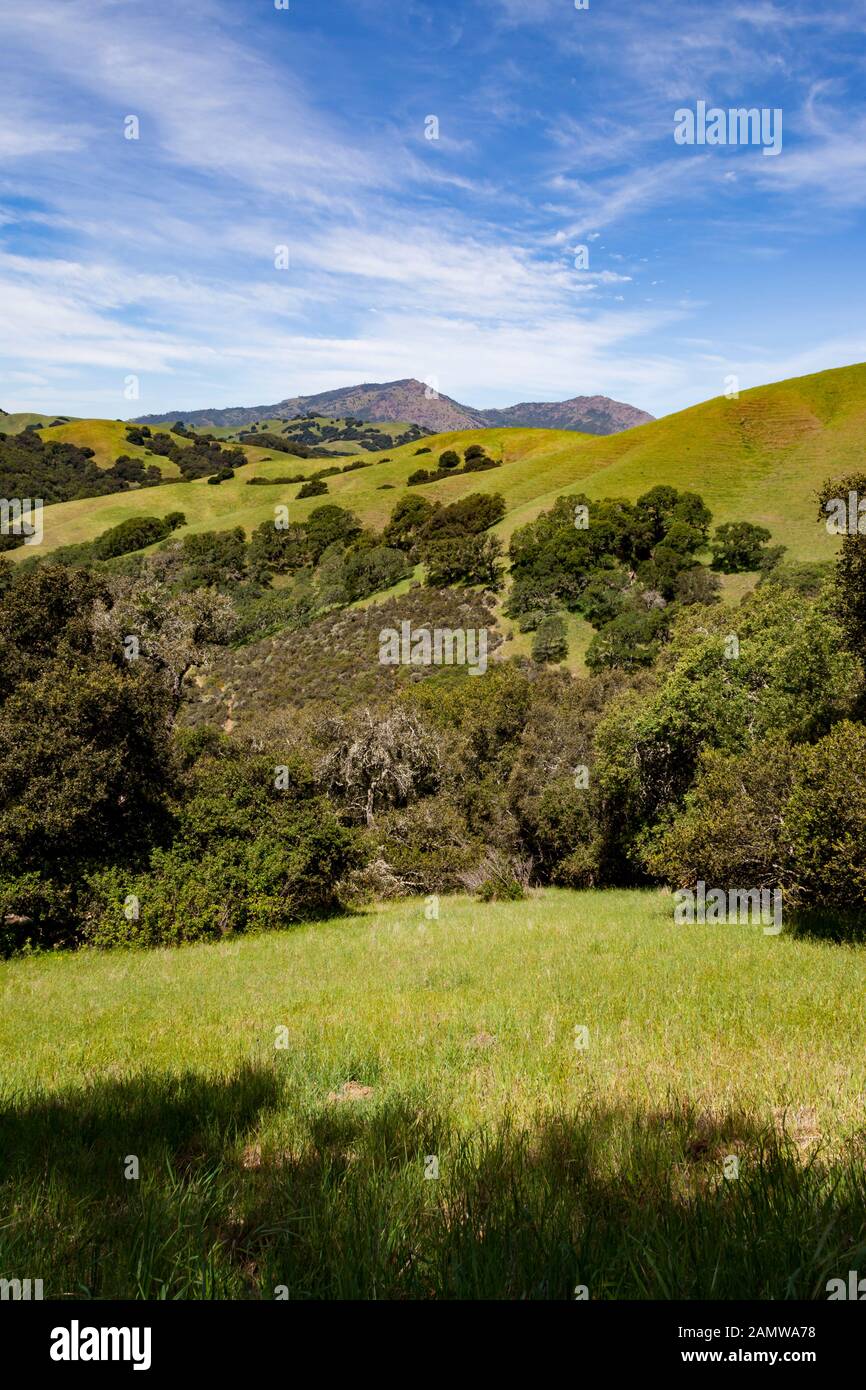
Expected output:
{"points": [[759, 458], [612, 1103]]}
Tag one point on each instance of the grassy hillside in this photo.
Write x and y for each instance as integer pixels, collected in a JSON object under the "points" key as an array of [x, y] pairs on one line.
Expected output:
{"points": [[17, 423], [404, 1039], [759, 458], [279, 427], [107, 439]]}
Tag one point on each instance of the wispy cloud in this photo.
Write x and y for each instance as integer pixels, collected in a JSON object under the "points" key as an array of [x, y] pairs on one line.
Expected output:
{"points": [[455, 257]]}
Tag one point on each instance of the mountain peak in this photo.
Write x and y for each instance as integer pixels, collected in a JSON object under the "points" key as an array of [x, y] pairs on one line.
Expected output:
{"points": [[415, 402]]}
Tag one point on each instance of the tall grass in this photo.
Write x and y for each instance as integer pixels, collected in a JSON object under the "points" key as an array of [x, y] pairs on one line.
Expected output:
{"points": [[708, 1142]]}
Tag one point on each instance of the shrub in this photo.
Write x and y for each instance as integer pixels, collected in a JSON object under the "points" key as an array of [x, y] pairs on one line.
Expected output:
{"points": [[408, 519], [134, 534], [214, 557], [604, 596], [697, 585], [315, 488], [738, 546], [247, 856], [469, 517], [330, 525], [426, 846], [499, 877], [277, 482], [630, 641], [825, 819], [731, 832], [550, 642], [464, 560], [36, 913], [480, 464]]}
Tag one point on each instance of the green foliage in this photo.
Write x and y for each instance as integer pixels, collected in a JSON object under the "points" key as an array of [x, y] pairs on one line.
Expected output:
{"points": [[738, 546], [425, 847], [550, 643], [697, 586], [134, 534], [806, 578], [463, 560], [605, 594], [850, 578], [789, 678], [629, 641], [213, 558], [825, 820], [275, 550], [315, 488], [732, 831], [585, 555], [59, 472], [408, 519], [263, 439], [85, 770], [247, 856], [469, 517], [329, 525]]}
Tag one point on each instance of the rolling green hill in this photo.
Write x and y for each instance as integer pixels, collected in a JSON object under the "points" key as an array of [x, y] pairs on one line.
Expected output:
{"points": [[317, 431], [107, 439], [759, 458], [17, 423]]}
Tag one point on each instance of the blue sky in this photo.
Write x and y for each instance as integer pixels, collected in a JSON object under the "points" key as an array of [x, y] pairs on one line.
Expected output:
{"points": [[450, 260]]}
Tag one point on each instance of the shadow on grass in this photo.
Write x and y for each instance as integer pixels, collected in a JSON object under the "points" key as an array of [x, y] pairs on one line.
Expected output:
{"points": [[829, 924], [246, 1192]]}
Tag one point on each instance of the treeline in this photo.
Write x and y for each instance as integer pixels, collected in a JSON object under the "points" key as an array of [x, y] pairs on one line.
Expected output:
{"points": [[474, 461], [308, 429], [330, 559], [627, 568], [735, 756], [200, 457], [58, 472]]}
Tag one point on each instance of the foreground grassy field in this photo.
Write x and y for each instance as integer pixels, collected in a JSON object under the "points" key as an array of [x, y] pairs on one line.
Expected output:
{"points": [[301, 1167], [760, 458]]}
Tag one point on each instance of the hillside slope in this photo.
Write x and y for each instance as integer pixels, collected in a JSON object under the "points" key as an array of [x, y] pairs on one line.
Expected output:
{"points": [[760, 458]]}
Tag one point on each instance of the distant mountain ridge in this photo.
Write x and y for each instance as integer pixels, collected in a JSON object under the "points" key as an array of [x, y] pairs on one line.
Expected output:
{"points": [[412, 401]]}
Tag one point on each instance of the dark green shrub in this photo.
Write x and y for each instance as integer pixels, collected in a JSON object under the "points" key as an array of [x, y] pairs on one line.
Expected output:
{"points": [[134, 534], [550, 642], [315, 488], [825, 819], [738, 546], [248, 855]]}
